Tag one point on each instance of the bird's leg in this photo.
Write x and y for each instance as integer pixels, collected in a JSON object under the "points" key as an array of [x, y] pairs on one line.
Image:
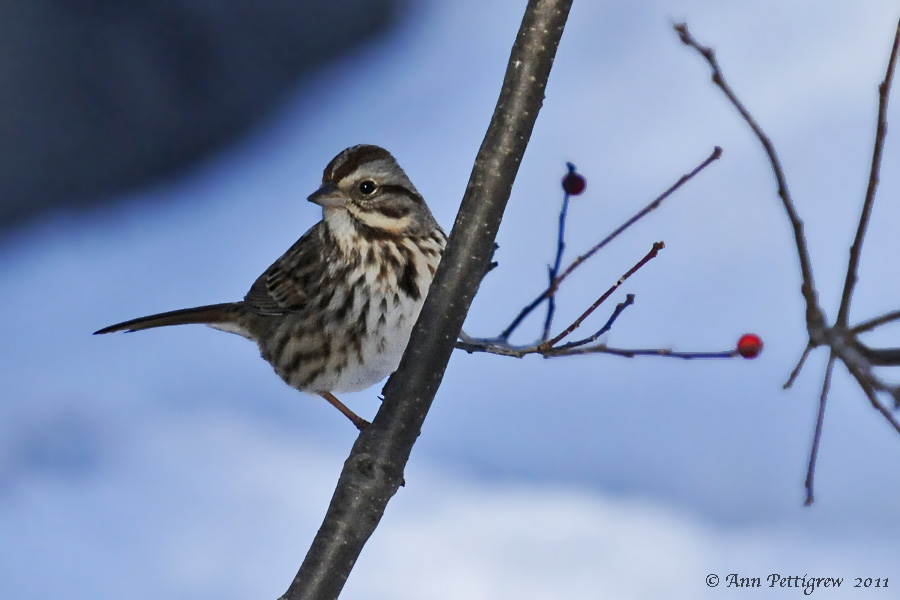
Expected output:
{"points": [[354, 418]]}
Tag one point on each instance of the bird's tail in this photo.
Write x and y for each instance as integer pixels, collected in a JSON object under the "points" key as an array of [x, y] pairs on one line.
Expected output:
{"points": [[224, 315]]}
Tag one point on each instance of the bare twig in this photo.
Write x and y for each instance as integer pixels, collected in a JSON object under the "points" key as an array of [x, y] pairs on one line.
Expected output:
{"points": [[884, 91], [815, 318], [494, 346], [876, 322], [891, 419], [551, 289], [841, 340], [631, 353], [869, 390], [657, 246], [549, 348], [881, 357], [560, 248], [796, 371], [817, 435], [620, 307], [502, 348]]}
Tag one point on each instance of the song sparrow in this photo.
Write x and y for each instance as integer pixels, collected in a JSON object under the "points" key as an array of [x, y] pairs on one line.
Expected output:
{"points": [[335, 312]]}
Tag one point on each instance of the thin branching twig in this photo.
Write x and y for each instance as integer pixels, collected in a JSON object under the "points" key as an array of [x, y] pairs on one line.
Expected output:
{"points": [[796, 371], [817, 434], [620, 308], [551, 347], [553, 287], [632, 352], [815, 317], [560, 248], [842, 340], [499, 345], [548, 349], [884, 91], [871, 324], [577, 322]]}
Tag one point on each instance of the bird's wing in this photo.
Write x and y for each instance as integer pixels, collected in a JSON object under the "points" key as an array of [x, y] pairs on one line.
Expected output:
{"points": [[286, 285]]}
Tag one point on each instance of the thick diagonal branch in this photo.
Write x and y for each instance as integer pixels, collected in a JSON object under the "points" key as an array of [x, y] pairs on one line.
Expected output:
{"points": [[374, 470]]}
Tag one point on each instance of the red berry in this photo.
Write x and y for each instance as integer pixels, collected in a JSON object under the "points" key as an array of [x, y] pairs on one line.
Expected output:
{"points": [[750, 345], [574, 183]]}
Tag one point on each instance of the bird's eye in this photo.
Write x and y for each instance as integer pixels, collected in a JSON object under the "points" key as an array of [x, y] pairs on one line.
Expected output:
{"points": [[367, 187]]}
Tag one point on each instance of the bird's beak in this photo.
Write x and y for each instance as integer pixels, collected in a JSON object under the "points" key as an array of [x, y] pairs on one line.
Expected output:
{"points": [[327, 196]]}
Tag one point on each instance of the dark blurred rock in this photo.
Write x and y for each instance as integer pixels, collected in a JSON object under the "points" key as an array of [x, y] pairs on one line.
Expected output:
{"points": [[100, 95]]}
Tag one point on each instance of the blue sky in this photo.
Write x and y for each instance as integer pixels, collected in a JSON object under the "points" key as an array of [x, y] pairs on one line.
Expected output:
{"points": [[174, 463]]}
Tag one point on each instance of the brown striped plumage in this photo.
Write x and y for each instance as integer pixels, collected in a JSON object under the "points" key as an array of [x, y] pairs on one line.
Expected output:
{"points": [[334, 313]]}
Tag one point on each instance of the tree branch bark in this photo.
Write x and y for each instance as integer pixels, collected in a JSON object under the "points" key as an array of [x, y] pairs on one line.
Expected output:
{"points": [[374, 470]]}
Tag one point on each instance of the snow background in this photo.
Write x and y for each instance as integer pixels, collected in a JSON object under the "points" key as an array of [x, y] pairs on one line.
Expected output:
{"points": [[175, 464]]}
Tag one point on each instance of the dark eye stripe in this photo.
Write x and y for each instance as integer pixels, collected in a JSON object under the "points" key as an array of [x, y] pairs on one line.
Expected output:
{"points": [[391, 212], [399, 189]]}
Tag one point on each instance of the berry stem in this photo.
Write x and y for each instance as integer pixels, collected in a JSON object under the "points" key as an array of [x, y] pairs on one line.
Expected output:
{"points": [[560, 248]]}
